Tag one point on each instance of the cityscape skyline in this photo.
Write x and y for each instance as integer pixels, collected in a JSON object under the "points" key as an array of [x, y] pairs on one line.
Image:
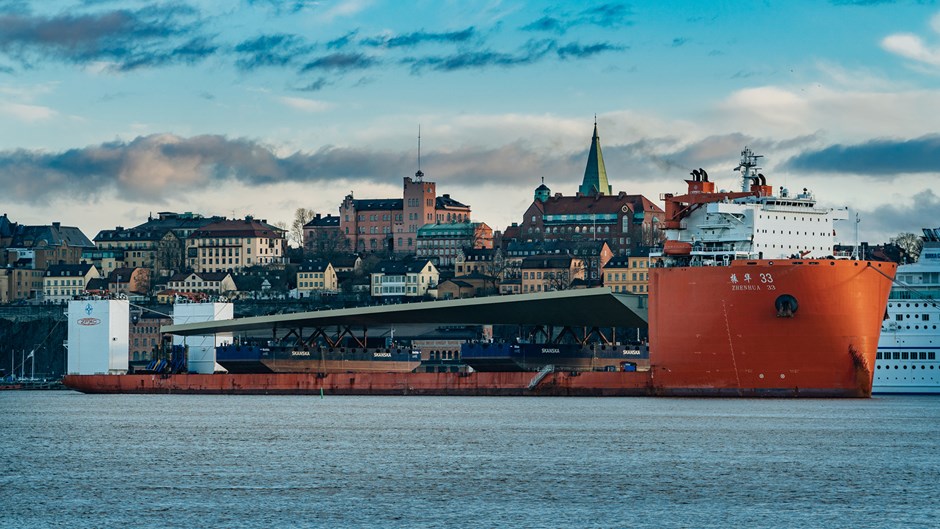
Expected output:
{"points": [[118, 110]]}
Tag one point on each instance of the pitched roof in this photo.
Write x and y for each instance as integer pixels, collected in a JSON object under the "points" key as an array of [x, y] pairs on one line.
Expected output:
{"points": [[328, 221], [595, 174], [314, 265], [53, 235], [64, 270], [445, 202], [247, 227], [378, 204], [97, 283], [6, 227], [587, 205]]}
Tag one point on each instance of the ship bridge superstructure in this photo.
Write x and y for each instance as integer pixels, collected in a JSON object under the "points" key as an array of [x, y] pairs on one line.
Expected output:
{"points": [[707, 227]]}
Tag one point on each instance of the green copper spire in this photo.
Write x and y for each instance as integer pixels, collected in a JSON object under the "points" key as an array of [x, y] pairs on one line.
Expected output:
{"points": [[595, 174]]}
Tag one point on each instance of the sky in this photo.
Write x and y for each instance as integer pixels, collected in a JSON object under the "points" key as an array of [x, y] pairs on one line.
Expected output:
{"points": [[111, 111]]}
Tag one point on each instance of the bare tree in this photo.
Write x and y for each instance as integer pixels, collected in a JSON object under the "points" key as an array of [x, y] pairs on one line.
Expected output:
{"points": [[911, 245], [296, 233], [170, 257]]}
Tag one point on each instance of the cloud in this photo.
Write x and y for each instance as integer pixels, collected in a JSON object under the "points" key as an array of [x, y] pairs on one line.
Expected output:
{"points": [[341, 62], [531, 52], [913, 47], [306, 105], [881, 158], [315, 86], [579, 51], [609, 16], [150, 36], [269, 50], [893, 217], [341, 42], [158, 166], [547, 23], [472, 59], [27, 113], [419, 37]]}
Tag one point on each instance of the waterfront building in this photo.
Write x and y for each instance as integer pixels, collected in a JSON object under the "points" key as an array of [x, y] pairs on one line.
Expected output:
{"points": [[595, 254], [209, 283], [41, 246], [624, 221], [443, 242], [322, 236], [398, 279], [474, 284], [106, 261], [543, 273], [316, 276], [158, 244], [349, 262], [628, 273], [64, 282], [22, 283], [233, 245], [391, 225]]}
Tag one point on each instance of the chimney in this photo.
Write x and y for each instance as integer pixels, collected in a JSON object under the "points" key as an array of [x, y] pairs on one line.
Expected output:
{"points": [[56, 225]]}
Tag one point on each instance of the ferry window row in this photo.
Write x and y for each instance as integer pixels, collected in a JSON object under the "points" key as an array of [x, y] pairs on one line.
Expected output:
{"points": [[921, 317], [904, 355], [903, 367]]}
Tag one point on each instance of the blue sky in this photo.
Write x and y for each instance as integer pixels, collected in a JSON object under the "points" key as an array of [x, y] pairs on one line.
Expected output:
{"points": [[111, 110]]}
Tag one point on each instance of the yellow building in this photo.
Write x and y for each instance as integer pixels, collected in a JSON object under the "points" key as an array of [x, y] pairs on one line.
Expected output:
{"points": [[316, 276], [628, 274]]}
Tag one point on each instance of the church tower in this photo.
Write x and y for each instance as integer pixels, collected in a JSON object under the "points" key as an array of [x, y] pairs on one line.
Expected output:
{"points": [[595, 174]]}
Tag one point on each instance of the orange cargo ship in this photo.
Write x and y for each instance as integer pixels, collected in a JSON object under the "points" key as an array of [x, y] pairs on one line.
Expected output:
{"points": [[745, 299]]}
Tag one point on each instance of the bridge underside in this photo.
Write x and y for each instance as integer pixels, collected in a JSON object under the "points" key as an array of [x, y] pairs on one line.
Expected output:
{"points": [[590, 308]]}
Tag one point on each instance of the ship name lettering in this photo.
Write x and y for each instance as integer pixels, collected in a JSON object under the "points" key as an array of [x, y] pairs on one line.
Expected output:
{"points": [[745, 287], [550, 350], [632, 352], [381, 355], [300, 353]]}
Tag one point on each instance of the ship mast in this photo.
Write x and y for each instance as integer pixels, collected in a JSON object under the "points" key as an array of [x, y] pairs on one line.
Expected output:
{"points": [[748, 168]]}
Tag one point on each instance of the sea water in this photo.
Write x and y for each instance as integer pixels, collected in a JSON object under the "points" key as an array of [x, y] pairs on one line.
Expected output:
{"points": [[74, 460]]}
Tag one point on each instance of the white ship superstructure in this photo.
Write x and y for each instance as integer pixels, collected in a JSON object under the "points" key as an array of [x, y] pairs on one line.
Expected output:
{"points": [[910, 342], [756, 223]]}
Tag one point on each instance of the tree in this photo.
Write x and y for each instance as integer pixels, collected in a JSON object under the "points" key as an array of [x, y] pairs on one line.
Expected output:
{"points": [[911, 245], [296, 233], [170, 257]]}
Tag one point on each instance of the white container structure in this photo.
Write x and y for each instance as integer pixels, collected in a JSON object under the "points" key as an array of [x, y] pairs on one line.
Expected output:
{"points": [[98, 336], [201, 349]]}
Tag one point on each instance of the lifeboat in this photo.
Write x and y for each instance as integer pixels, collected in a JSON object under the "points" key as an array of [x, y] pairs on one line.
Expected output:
{"points": [[677, 248]]}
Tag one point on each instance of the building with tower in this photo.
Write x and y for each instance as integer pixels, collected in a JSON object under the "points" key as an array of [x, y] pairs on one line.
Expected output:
{"points": [[391, 224], [627, 223]]}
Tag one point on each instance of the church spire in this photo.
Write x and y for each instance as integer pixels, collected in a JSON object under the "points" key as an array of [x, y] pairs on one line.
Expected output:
{"points": [[595, 174]]}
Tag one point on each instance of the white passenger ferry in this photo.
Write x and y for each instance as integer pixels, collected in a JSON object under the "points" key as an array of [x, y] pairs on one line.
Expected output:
{"points": [[908, 350]]}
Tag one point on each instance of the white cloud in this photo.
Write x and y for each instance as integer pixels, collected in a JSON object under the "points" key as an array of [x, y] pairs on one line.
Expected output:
{"points": [[344, 9], [911, 47], [27, 113], [305, 105]]}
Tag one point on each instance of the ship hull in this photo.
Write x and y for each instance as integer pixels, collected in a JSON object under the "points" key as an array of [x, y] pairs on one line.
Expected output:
{"points": [[786, 327], [714, 332]]}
